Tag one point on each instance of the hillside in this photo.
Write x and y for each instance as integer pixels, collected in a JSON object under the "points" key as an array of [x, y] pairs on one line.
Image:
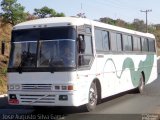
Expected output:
{"points": [[5, 35], [3, 71]]}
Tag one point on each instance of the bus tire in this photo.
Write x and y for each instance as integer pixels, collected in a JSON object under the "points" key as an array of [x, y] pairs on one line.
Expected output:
{"points": [[92, 99], [141, 84]]}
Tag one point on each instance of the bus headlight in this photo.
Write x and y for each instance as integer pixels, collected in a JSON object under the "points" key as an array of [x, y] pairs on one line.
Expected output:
{"points": [[11, 87], [17, 87], [14, 87]]}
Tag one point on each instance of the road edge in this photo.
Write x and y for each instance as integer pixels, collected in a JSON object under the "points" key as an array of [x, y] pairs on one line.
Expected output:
{"points": [[4, 95]]}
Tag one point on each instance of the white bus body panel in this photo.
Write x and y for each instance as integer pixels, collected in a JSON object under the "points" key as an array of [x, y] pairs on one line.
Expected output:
{"points": [[47, 96]]}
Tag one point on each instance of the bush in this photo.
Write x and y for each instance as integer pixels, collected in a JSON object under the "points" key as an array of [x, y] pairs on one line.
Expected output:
{"points": [[4, 71], [3, 86]]}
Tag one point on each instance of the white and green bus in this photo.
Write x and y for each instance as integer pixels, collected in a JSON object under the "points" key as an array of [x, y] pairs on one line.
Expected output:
{"points": [[104, 60]]}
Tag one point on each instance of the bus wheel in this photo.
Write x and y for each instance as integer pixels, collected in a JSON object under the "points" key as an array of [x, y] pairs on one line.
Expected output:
{"points": [[141, 84], [92, 100]]}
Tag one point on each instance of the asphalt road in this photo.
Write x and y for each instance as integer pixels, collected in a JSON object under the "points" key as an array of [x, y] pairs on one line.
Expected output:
{"points": [[128, 106]]}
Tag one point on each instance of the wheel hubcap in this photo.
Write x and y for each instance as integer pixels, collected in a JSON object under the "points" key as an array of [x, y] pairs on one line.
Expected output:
{"points": [[92, 96], [141, 84]]}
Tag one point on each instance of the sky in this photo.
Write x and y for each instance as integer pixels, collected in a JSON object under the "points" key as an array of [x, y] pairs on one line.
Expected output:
{"points": [[126, 10]]}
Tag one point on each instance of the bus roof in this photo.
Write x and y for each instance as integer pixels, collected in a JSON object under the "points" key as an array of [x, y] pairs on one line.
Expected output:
{"points": [[71, 21]]}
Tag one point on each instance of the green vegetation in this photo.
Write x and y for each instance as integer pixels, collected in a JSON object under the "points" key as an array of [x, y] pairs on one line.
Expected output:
{"points": [[3, 85], [13, 12], [47, 12], [3, 74]]}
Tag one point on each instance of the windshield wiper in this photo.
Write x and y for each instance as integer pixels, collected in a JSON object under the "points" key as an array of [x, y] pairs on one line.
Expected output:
{"points": [[20, 66], [23, 57]]}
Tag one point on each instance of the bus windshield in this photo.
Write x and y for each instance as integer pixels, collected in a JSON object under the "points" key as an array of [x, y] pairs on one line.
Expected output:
{"points": [[46, 47], [57, 53]]}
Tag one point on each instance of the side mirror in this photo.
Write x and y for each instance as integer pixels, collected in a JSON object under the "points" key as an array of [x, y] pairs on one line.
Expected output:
{"points": [[82, 45], [3, 47]]}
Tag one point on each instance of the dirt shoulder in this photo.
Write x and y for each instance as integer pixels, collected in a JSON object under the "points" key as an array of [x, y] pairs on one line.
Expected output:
{"points": [[3, 74]]}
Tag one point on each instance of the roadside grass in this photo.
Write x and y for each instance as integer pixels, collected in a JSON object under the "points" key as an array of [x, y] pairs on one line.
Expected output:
{"points": [[3, 74], [3, 80], [3, 85]]}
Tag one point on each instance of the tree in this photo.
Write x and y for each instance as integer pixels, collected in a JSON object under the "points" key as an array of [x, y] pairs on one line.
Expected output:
{"points": [[60, 15], [108, 20], [47, 12], [31, 17], [13, 12], [121, 23], [139, 25]]}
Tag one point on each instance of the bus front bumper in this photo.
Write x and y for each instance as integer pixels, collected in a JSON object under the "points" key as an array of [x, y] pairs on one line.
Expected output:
{"points": [[46, 98]]}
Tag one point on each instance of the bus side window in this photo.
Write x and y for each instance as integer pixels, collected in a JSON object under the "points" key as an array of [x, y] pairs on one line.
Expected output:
{"points": [[144, 42], [127, 42], [137, 44], [81, 44], [81, 49], [98, 40], [130, 42], [85, 50], [105, 35], [113, 41], [119, 41], [151, 43]]}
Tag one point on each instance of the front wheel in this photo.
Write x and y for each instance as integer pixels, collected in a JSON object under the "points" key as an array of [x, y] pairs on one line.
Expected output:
{"points": [[92, 99], [141, 84]]}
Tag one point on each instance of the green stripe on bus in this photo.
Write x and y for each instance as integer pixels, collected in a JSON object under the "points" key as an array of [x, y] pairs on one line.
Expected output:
{"points": [[145, 66]]}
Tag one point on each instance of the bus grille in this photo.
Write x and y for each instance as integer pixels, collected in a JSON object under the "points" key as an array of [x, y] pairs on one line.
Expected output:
{"points": [[37, 87], [26, 98]]}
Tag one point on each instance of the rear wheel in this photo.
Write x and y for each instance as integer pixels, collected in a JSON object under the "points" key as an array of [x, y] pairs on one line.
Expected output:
{"points": [[92, 99], [141, 84]]}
